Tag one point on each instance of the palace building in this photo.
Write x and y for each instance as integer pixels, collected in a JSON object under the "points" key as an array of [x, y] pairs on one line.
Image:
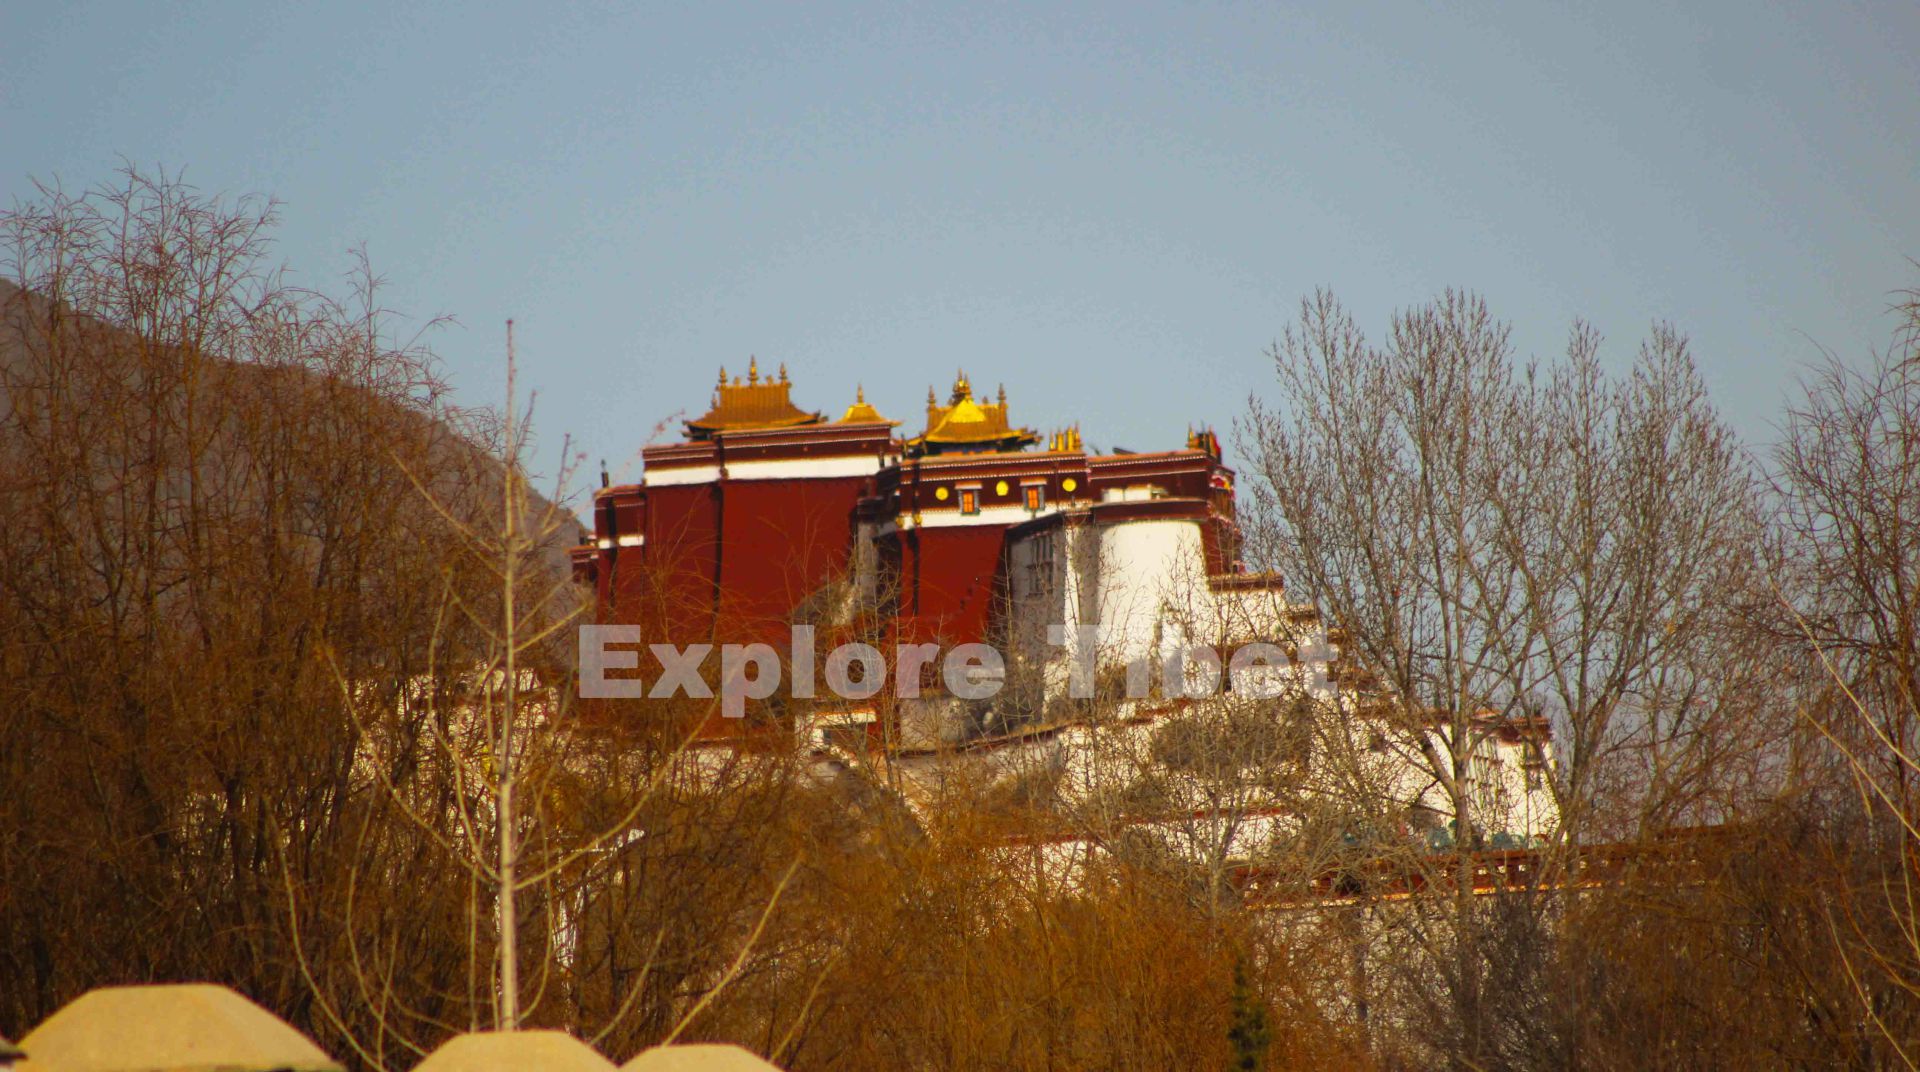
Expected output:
{"points": [[976, 529], [767, 514]]}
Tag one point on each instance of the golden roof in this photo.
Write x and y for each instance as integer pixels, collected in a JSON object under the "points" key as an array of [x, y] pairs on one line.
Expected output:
{"points": [[751, 404], [863, 413], [964, 424]]}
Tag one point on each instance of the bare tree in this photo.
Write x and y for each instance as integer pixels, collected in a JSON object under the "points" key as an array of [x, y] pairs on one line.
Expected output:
{"points": [[281, 627], [194, 516], [1497, 542], [1848, 477]]}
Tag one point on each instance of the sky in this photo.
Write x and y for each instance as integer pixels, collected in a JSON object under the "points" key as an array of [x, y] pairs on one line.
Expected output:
{"points": [[1112, 210]]}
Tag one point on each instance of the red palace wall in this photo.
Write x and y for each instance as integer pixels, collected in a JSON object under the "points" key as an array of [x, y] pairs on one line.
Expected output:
{"points": [[780, 542], [731, 543], [948, 583], [731, 533]]}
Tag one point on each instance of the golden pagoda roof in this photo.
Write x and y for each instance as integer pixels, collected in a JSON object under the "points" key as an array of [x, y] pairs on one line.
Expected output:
{"points": [[862, 412], [964, 424], [751, 404]]}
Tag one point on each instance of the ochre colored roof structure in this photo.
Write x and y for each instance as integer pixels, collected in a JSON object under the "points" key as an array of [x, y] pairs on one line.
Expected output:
{"points": [[1204, 439], [964, 425], [186, 1027], [751, 404], [862, 412], [514, 1051], [698, 1057]]}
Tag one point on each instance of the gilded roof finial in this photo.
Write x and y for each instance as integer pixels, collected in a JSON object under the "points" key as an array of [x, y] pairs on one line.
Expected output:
{"points": [[930, 397], [783, 372], [723, 375], [1003, 395], [753, 369], [862, 413], [961, 388]]}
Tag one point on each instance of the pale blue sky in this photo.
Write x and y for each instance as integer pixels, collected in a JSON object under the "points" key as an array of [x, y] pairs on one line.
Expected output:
{"points": [[1112, 210]]}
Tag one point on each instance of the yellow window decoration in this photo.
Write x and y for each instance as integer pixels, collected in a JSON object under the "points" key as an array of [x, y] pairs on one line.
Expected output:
{"points": [[1069, 484], [940, 493], [1000, 488]]}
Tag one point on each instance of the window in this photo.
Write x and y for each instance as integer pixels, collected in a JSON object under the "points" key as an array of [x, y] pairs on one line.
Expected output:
{"points": [[1484, 770], [1036, 496], [1039, 565], [969, 500]]}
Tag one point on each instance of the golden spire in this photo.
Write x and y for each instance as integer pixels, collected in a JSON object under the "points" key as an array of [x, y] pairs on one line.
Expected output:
{"points": [[783, 372], [861, 412], [965, 424], [723, 375], [753, 369]]}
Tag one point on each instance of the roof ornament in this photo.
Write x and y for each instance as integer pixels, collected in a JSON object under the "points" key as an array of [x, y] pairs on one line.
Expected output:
{"points": [[967, 425], [750, 402], [862, 412]]}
